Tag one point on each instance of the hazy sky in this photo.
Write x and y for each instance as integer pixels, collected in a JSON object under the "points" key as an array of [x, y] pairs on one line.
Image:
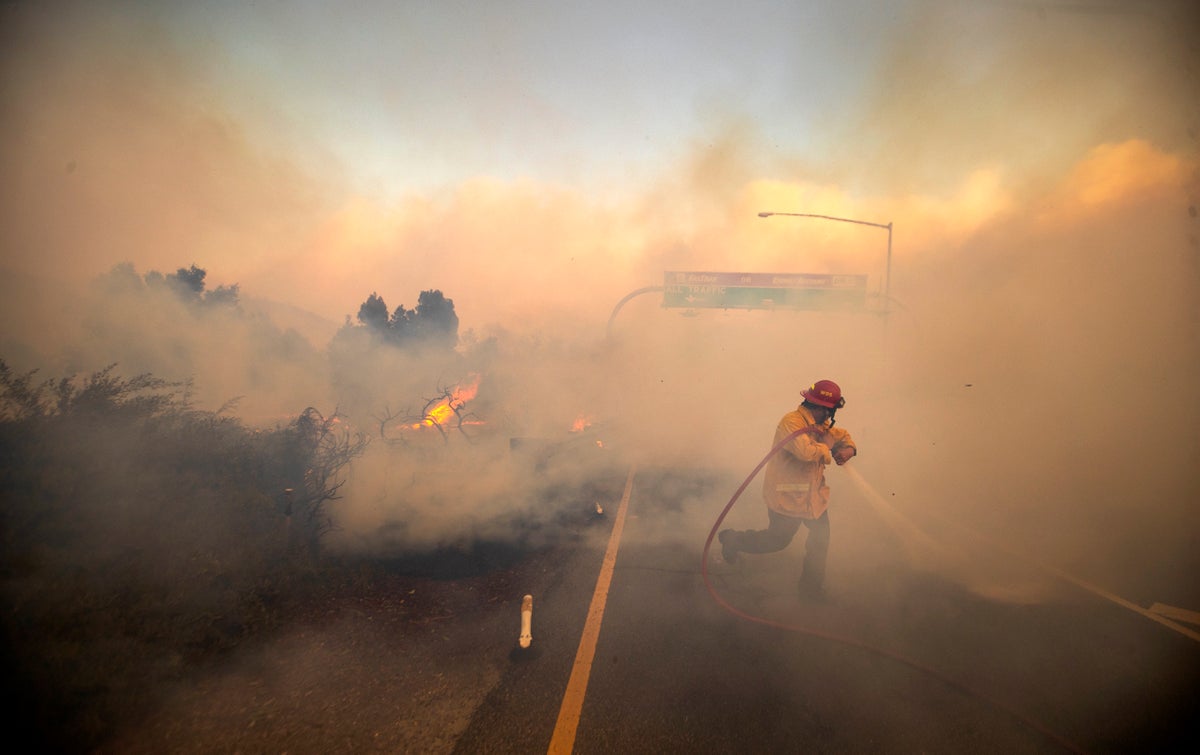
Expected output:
{"points": [[561, 153], [420, 95], [414, 96]]}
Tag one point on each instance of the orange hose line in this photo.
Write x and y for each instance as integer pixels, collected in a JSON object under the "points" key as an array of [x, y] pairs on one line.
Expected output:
{"points": [[850, 641]]}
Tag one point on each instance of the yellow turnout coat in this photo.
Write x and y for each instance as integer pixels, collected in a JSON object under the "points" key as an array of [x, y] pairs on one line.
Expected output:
{"points": [[794, 482]]}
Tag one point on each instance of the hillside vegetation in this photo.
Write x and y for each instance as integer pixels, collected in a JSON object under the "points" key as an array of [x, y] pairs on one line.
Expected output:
{"points": [[141, 535]]}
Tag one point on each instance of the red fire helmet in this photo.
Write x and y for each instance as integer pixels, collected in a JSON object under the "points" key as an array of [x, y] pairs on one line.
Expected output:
{"points": [[824, 393]]}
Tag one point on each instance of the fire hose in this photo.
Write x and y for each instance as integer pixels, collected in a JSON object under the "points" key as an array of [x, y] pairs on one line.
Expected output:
{"points": [[842, 639]]}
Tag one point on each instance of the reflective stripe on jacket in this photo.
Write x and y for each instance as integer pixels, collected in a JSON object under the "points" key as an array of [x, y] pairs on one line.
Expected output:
{"points": [[794, 482]]}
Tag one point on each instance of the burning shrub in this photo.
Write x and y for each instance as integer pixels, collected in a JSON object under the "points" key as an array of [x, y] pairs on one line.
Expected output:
{"points": [[444, 412]]}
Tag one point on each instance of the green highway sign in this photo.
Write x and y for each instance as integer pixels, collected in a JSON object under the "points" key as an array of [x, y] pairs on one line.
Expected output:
{"points": [[695, 290]]}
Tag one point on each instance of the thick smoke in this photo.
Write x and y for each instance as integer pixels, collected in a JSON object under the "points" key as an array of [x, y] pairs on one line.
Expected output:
{"points": [[1032, 380]]}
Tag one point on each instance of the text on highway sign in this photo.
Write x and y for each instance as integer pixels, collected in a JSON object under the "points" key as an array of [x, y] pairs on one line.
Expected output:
{"points": [[695, 290]]}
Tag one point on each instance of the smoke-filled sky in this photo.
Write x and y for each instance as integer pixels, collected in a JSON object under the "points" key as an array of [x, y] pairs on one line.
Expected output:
{"points": [[538, 161], [534, 156]]}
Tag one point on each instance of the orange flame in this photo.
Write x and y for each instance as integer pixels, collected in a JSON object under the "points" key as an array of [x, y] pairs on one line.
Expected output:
{"points": [[445, 410], [582, 422]]}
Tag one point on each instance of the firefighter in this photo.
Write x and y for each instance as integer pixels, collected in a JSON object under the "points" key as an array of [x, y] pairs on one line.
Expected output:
{"points": [[794, 486]]}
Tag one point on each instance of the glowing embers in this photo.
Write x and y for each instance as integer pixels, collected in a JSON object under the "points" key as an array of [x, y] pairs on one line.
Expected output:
{"points": [[583, 423]]}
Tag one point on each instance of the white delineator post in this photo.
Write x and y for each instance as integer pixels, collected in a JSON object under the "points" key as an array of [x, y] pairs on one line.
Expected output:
{"points": [[526, 620]]}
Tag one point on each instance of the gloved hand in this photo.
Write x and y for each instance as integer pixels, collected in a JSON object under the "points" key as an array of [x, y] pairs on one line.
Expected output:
{"points": [[843, 454], [823, 450]]}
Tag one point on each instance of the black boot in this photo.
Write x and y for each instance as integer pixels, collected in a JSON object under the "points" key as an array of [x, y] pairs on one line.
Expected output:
{"points": [[728, 552]]}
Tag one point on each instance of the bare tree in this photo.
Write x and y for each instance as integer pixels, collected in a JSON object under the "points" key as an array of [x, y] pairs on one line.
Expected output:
{"points": [[329, 445]]}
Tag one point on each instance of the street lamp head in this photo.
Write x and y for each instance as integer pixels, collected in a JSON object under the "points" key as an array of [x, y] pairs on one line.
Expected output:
{"points": [[887, 278]]}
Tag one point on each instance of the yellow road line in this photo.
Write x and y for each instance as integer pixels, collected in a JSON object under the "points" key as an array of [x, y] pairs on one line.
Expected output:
{"points": [[563, 741]]}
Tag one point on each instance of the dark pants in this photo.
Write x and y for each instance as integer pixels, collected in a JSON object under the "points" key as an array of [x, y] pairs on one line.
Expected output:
{"points": [[779, 532]]}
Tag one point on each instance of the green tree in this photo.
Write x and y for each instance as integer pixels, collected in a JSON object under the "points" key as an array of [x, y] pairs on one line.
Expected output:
{"points": [[374, 315], [432, 324], [188, 282], [436, 323]]}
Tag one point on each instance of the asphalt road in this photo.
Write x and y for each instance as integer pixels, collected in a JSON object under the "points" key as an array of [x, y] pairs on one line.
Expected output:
{"points": [[994, 657], [932, 643]]}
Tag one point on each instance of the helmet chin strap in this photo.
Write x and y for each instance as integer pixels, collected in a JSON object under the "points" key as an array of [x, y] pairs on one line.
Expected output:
{"points": [[840, 403], [831, 409]]}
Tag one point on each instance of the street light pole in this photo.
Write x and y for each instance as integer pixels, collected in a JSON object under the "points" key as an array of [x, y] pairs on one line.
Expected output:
{"points": [[887, 278]]}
